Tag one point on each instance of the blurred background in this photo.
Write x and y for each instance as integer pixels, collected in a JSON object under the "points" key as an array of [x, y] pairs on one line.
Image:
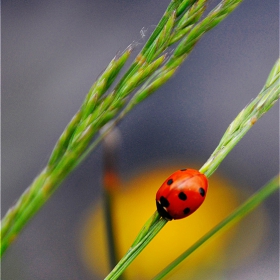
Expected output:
{"points": [[52, 52]]}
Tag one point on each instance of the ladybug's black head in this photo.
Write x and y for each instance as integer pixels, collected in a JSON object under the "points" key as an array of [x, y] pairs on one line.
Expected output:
{"points": [[162, 204]]}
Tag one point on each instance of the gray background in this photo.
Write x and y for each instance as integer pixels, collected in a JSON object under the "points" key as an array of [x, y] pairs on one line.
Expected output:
{"points": [[52, 52]]}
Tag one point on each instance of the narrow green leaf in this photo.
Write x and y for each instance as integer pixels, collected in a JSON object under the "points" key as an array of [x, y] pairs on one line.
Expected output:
{"points": [[240, 213], [184, 6]]}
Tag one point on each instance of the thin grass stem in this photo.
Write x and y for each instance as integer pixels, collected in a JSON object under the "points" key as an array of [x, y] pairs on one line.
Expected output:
{"points": [[100, 107], [111, 183], [135, 250], [242, 123], [241, 212]]}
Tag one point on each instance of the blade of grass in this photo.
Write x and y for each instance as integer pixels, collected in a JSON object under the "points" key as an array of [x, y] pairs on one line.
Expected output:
{"points": [[245, 120], [135, 250], [242, 123], [142, 56], [240, 213], [63, 160], [99, 108], [163, 74]]}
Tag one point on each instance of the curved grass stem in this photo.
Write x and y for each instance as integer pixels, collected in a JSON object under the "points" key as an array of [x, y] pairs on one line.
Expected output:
{"points": [[237, 129], [136, 249], [100, 107], [245, 120], [241, 212]]}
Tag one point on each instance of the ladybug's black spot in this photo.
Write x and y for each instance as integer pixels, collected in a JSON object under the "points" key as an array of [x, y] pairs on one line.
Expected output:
{"points": [[184, 169], [169, 182], [182, 196], [202, 192], [162, 211], [164, 202], [186, 211]]}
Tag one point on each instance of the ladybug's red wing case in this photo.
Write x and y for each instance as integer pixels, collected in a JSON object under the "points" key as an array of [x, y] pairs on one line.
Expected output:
{"points": [[181, 194]]}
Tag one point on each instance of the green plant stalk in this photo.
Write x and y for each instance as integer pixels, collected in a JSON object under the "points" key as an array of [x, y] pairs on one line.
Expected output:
{"points": [[142, 56], [184, 24], [61, 157], [192, 15], [74, 142], [163, 74], [245, 120], [88, 106], [140, 96], [146, 228], [162, 38], [184, 6], [242, 123], [240, 213], [135, 250], [218, 14]]}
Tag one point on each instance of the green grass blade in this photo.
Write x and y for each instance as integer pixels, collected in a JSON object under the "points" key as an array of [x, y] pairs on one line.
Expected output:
{"points": [[184, 6], [241, 212], [245, 120], [100, 107], [260, 105], [135, 250]]}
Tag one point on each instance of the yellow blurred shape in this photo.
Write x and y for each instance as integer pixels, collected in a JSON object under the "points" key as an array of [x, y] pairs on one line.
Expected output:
{"points": [[135, 203]]}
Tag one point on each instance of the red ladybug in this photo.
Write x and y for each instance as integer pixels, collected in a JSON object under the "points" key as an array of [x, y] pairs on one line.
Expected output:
{"points": [[181, 194]]}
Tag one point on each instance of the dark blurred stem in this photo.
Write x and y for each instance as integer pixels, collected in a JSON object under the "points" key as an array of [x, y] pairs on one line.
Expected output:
{"points": [[112, 250], [111, 183]]}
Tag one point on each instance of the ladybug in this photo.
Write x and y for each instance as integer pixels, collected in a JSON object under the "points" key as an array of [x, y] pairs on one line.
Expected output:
{"points": [[181, 194]]}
